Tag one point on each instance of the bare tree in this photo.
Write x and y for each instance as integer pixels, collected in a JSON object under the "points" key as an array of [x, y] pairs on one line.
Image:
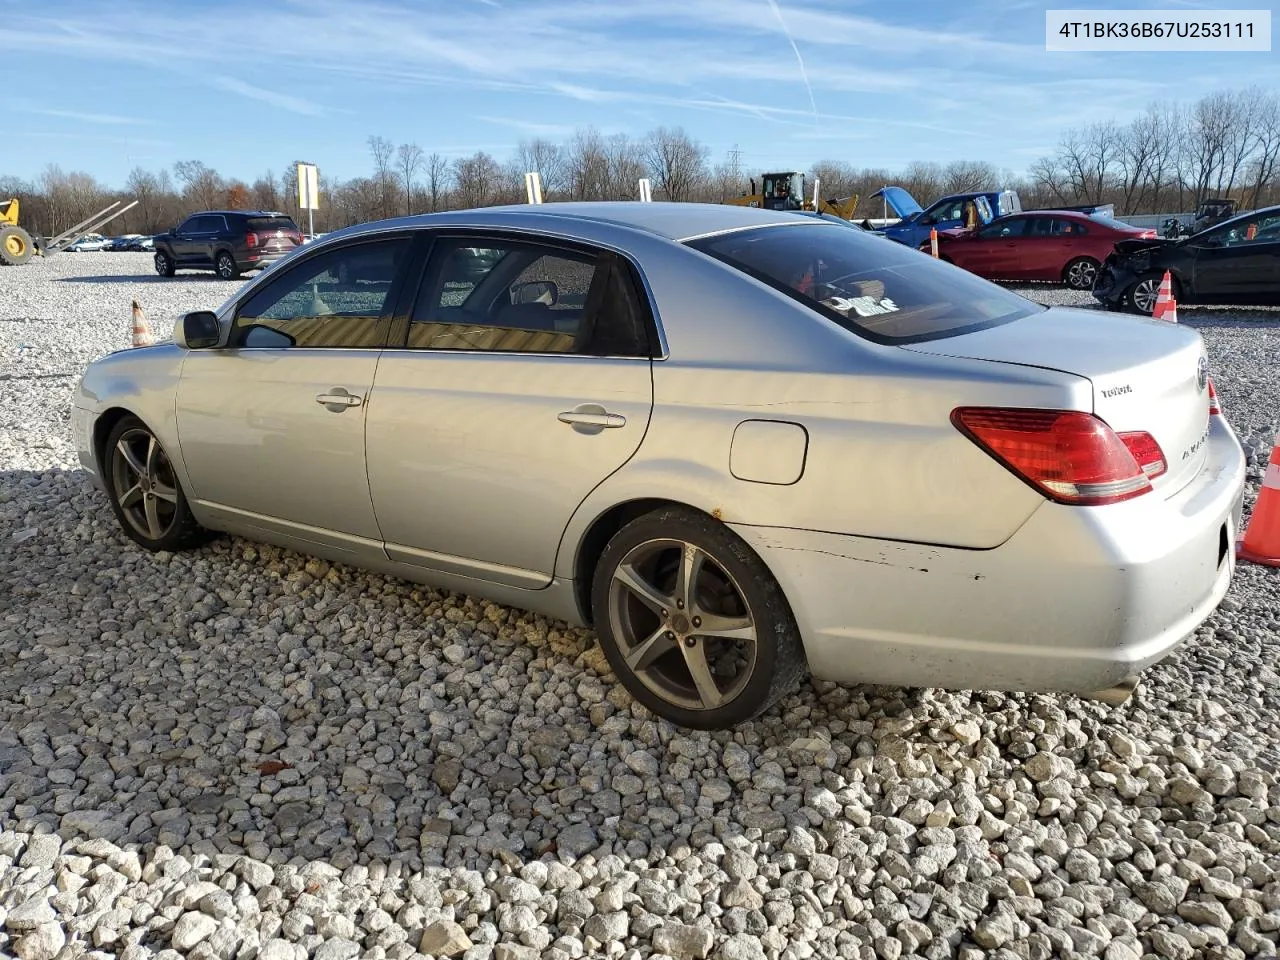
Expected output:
{"points": [[382, 150], [200, 184], [437, 178], [623, 167], [587, 165], [1265, 131], [969, 176], [547, 159], [677, 162], [266, 192], [408, 159], [727, 180], [145, 188], [478, 177]]}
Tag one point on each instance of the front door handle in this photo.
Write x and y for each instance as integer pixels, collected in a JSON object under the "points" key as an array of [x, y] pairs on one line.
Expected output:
{"points": [[592, 419], [339, 399]]}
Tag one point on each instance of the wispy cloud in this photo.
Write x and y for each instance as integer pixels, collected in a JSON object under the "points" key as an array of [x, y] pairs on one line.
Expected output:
{"points": [[107, 119], [284, 101], [530, 127], [804, 74]]}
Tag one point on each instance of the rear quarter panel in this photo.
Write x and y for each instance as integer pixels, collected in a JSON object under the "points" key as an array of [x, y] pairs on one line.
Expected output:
{"points": [[882, 459]]}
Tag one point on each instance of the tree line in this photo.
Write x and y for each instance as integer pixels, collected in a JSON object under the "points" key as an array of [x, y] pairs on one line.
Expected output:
{"points": [[1166, 160]]}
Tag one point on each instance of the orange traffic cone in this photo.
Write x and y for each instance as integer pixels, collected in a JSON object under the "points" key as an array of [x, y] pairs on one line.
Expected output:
{"points": [[933, 241], [142, 336], [1261, 542], [1166, 307]]}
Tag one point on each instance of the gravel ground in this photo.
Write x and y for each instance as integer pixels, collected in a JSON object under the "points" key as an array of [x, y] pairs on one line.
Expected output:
{"points": [[242, 752]]}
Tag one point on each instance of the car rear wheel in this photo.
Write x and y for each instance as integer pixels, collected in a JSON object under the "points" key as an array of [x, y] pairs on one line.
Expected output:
{"points": [[1081, 273], [144, 491], [164, 266], [226, 265], [692, 622]]}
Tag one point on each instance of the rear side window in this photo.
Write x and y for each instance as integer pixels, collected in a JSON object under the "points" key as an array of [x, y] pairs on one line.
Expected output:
{"points": [[886, 292]]}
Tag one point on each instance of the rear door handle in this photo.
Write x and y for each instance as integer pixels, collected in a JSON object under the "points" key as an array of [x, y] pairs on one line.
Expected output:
{"points": [[590, 419]]}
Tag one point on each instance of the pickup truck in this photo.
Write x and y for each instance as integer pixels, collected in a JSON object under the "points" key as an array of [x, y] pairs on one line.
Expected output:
{"points": [[945, 214]]}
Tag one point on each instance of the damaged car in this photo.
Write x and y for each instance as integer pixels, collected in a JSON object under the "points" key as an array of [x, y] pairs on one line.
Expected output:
{"points": [[1235, 262]]}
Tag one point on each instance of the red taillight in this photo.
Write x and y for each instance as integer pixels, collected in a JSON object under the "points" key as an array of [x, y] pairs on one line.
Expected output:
{"points": [[1215, 408], [251, 239], [1069, 456], [1146, 451]]}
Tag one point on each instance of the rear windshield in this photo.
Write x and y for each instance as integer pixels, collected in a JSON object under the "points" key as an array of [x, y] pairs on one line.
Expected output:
{"points": [[871, 285], [271, 223]]}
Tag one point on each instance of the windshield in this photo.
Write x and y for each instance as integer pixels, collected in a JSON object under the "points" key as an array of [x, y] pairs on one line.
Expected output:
{"points": [[884, 291]]}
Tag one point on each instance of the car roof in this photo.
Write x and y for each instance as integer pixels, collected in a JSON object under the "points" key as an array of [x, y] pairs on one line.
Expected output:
{"points": [[241, 213], [671, 220]]}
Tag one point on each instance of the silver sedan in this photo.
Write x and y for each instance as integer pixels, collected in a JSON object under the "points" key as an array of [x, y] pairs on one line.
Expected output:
{"points": [[743, 445]]}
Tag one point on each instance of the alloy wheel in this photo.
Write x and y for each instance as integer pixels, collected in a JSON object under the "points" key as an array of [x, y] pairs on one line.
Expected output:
{"points": [[1145, 293], [682, 624], [1081, 274], [144, 484]]}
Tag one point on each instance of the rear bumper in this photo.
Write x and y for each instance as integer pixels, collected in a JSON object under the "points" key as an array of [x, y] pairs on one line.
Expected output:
{"points": [[255, 261], [1075, 601]]}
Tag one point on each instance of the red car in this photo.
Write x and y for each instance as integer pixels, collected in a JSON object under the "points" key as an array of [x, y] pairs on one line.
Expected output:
{"points": [[1061, 246]]}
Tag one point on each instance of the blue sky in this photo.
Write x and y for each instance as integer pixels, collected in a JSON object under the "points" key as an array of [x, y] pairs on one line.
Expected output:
{"points": [[252, 86]]}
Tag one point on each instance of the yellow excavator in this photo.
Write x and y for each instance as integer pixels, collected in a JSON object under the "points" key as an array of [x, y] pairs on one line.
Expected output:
{"points": [[16, 245], [786, 191]]}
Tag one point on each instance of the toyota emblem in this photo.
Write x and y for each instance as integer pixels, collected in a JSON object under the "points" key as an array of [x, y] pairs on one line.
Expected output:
{"points": [[1202, 373]]}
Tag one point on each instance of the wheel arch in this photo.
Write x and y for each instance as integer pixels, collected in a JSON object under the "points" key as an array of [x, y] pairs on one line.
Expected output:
{"points": [[102, 427], [600, 531]]}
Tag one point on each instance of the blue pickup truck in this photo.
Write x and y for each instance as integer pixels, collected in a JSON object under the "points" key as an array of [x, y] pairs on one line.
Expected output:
{"points": [[946, 214]]}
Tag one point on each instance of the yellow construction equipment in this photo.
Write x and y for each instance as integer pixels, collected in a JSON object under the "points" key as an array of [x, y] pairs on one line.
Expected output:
{"points": [[16, 245], [786, 191]]}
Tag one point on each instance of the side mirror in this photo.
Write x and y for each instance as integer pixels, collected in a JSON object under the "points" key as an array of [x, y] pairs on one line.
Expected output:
{"points": [[536, 291], [199, 330]]}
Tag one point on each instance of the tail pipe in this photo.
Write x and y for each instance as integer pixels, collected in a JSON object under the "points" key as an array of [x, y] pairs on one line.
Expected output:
{"points": [[1116, 695]]}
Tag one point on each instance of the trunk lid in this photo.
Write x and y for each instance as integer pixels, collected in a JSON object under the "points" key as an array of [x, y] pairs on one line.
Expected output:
{"points": [[1147, 375], [900, 202]]}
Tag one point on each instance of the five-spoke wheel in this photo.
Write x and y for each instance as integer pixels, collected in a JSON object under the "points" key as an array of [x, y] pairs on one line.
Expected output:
{"points": [[144, 489], [692, 622]]}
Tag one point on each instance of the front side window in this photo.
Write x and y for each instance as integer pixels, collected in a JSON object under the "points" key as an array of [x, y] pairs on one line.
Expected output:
{"points": [[1246, 230], [1003, 228], [340, 298], [526, 297], [884, 291]]}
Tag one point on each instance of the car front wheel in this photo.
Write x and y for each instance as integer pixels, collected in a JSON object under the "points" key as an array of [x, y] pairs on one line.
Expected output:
{"points": [[145, 494], [164, 266], [692, 622], [1081, 273], [1141, 296]]}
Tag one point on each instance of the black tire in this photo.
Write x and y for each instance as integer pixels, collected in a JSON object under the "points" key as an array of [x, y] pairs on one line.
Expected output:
{"points": [[736, 577], [1081, 273], [16, 247], [175, 527], [164, 264], [225, 265]]}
